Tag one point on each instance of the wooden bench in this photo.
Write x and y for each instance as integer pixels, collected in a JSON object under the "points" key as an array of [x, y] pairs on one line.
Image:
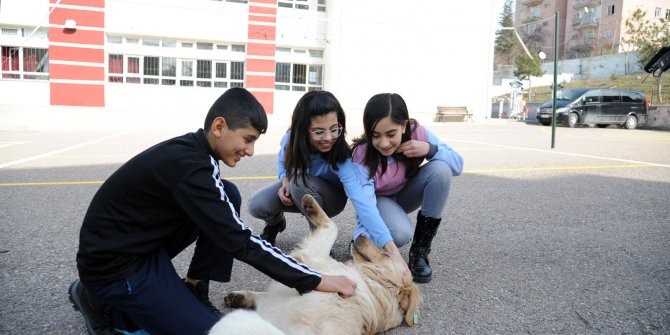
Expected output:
{"points": [[452, 113]]}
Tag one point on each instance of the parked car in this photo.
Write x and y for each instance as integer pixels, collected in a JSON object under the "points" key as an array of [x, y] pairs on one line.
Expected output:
{"points": [[600, 106]]}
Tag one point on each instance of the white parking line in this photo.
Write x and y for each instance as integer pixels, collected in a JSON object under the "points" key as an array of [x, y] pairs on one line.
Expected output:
{"points": [[562, 153], [28, 159], [9, 144]]}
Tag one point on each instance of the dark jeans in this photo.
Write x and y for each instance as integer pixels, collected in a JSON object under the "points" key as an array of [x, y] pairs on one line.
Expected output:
{"points": [[154, 297]]}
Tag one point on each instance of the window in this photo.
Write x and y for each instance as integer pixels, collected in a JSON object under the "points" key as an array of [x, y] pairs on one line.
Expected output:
{"points": [[316, 53], [657, 12], [610, 10], [114, 39], [237, 70], [151, 70], [186, 73], [152, 42], [169, 43], [220, 73], [611, 96], [667, 14], [168, 71], [298, 77], [204, 46], [25, 63], [592, 96], [318, 5], [35, 63], [115, 68], [133, 70], [204, 71], [631, 97]]}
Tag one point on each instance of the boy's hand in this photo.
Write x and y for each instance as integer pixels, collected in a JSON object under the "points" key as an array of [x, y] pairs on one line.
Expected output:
{"points": [[344, 286]]}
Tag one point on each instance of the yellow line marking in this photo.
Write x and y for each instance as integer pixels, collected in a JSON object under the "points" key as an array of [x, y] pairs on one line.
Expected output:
{"points": [[562, 168], [97, 182], [553, 168]]}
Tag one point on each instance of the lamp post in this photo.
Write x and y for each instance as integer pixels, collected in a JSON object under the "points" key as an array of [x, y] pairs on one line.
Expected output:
{"points": [[554, 86]]}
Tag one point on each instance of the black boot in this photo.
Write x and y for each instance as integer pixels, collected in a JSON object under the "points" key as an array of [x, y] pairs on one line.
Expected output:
{"points": [[201, 291], [425, 230], [270, 231]]}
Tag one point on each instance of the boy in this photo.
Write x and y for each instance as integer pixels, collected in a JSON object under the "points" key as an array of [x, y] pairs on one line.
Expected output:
{"points": [[156, 205]]}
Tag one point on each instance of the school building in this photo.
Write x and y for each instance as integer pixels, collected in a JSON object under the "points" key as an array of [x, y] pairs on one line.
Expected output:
{"points": [[179, 55]]}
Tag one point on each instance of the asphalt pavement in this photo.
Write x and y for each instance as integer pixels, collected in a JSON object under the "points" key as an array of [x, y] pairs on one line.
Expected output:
{"points": [[534, 240]]}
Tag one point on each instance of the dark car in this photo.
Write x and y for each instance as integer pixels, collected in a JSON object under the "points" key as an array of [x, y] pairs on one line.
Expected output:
{"points": [[600, 106]]}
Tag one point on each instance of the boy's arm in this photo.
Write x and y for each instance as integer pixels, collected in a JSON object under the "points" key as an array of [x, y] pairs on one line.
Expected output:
{"points": [[203, 198]]}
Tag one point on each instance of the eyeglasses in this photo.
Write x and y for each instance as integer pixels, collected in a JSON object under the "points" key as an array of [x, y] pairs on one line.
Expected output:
{"points": [[319, 134]]}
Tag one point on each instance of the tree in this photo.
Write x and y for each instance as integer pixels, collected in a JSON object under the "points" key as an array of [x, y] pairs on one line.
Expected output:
{"points": [[647, 37], [527, 67], [506, 44]]}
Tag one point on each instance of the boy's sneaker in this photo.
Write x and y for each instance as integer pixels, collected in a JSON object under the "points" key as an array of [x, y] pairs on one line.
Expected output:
{"points": [[97, 316], [201, 291]]}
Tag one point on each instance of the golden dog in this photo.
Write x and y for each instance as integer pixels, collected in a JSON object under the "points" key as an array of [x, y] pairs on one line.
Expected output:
{"points": [[385, 293]]}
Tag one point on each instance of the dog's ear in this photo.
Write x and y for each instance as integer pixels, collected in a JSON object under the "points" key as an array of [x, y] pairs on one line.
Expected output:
{"points": [[409, 302]]}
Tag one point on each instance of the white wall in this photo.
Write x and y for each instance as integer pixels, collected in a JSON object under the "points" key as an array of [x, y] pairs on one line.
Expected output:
{"points": [[24, 12], [197, 20], [24, 92], [430, 52]]}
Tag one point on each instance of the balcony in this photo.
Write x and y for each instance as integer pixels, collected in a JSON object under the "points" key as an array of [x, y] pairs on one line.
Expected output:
{"points": [[529, 3], [583, 43], [534, 35], [531, 18], [587, 21], [585, 3]]}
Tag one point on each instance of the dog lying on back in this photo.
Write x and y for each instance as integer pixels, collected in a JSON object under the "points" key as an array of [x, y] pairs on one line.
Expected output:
{"points": [[385, 293]]}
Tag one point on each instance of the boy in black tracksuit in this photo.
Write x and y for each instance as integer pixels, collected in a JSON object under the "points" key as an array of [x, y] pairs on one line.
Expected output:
{"points": [[156, 205]]}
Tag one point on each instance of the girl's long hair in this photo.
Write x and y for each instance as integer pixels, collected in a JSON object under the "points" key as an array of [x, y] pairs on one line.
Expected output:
{"points": [[380, 106], [297, 156]]}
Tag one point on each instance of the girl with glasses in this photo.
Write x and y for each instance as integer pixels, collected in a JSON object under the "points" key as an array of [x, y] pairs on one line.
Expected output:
{"points": [[391, 153], [315, 158]]}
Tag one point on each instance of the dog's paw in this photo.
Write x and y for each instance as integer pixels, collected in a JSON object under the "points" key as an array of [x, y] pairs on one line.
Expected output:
{"points": [[309, 205], [239, 299], [313, 212]]}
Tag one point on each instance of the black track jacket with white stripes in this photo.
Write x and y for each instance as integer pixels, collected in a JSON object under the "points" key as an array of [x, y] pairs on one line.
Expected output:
{"points": [[152, 196]]}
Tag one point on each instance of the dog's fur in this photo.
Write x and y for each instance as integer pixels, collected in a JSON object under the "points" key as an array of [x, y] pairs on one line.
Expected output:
{"points": [[384, 295]]}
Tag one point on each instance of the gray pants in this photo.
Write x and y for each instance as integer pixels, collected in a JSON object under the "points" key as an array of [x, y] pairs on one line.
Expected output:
{"points": [[429, 189], [265, 203]]}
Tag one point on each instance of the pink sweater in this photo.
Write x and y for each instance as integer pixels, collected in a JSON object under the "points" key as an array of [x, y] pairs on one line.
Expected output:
{"points": [[393, 180]]}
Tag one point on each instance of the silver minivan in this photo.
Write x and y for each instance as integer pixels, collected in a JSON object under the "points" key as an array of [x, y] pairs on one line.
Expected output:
{"points": [[599, 106]]}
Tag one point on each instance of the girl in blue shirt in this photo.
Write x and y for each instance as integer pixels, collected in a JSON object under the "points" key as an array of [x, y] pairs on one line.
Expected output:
{"points": [[315, 159]]}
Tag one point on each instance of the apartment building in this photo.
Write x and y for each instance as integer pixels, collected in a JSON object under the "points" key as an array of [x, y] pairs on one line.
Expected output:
{"points": [[586, 27], [182, 54]]}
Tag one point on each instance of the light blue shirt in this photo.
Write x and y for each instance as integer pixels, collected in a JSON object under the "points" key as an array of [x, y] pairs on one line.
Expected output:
{"points": [[358, 187]]}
